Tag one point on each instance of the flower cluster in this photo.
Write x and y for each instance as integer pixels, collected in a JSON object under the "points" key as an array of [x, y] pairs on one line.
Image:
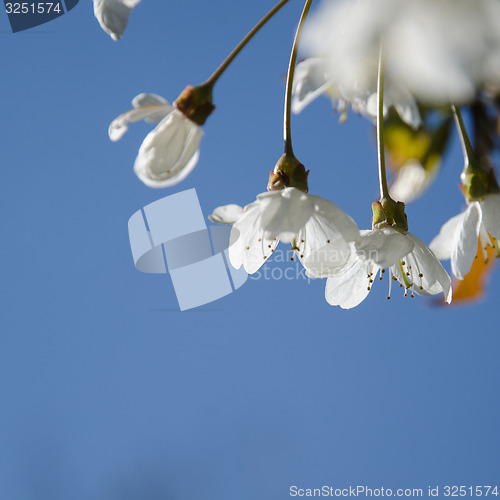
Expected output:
{"points": [[329, 245], [406, 65]]}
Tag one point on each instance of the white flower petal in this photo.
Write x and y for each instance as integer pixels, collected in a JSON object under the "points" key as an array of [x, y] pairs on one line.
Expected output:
{"points": [[331, 260], [435, 279], [457, 240], [491, 214], [247, 244], [485, 241], [150, 100], [404, 103], [351, 288], [311, 79], [383, 246], [146, 107], [335, 221], [113, 15], [169, 152], [442, 245], [226, 214], [284, 213], [465, 241]]}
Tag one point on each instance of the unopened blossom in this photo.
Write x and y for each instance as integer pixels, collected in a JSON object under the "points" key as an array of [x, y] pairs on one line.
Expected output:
{"points": [[442, 51], [113, 15], [306, 221], [313, 77], [407, 260], [170, 151], [458, 238]]}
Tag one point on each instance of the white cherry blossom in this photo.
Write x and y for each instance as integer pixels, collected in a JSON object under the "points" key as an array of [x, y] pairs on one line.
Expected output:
{"points": [[407, 259], [458, 237], [306, 221], [313, 78], [442, 51], [169, 152], [113, 15]]}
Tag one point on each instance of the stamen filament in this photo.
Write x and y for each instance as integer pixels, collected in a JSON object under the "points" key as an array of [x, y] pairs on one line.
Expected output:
{"points": [[403, 274]]}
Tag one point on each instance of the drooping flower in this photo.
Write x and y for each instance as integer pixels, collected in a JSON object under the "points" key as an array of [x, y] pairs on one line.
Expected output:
{"points": [[113, 15], [441, 51], [306, 221], [458, 237], [313, 77], [169, 152], [407, 259]]}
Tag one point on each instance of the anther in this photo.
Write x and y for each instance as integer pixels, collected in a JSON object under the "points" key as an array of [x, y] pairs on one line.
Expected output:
{"points": [[368, 287], [403, 262], [382, 271], [401, 285], [248, 248], [421, 287], [420, 275], [388, 297], [302, 256], [380, 278], [260, 239], [328, 241], [291, 258]]}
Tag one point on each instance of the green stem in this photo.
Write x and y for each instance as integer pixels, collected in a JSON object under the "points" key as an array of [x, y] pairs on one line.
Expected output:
{"points": [[229, 59], [464, 138], [384, 190], [287, 133]]}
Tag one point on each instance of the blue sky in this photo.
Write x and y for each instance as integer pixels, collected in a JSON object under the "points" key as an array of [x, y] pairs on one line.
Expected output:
{"points": [[108, 392]]}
